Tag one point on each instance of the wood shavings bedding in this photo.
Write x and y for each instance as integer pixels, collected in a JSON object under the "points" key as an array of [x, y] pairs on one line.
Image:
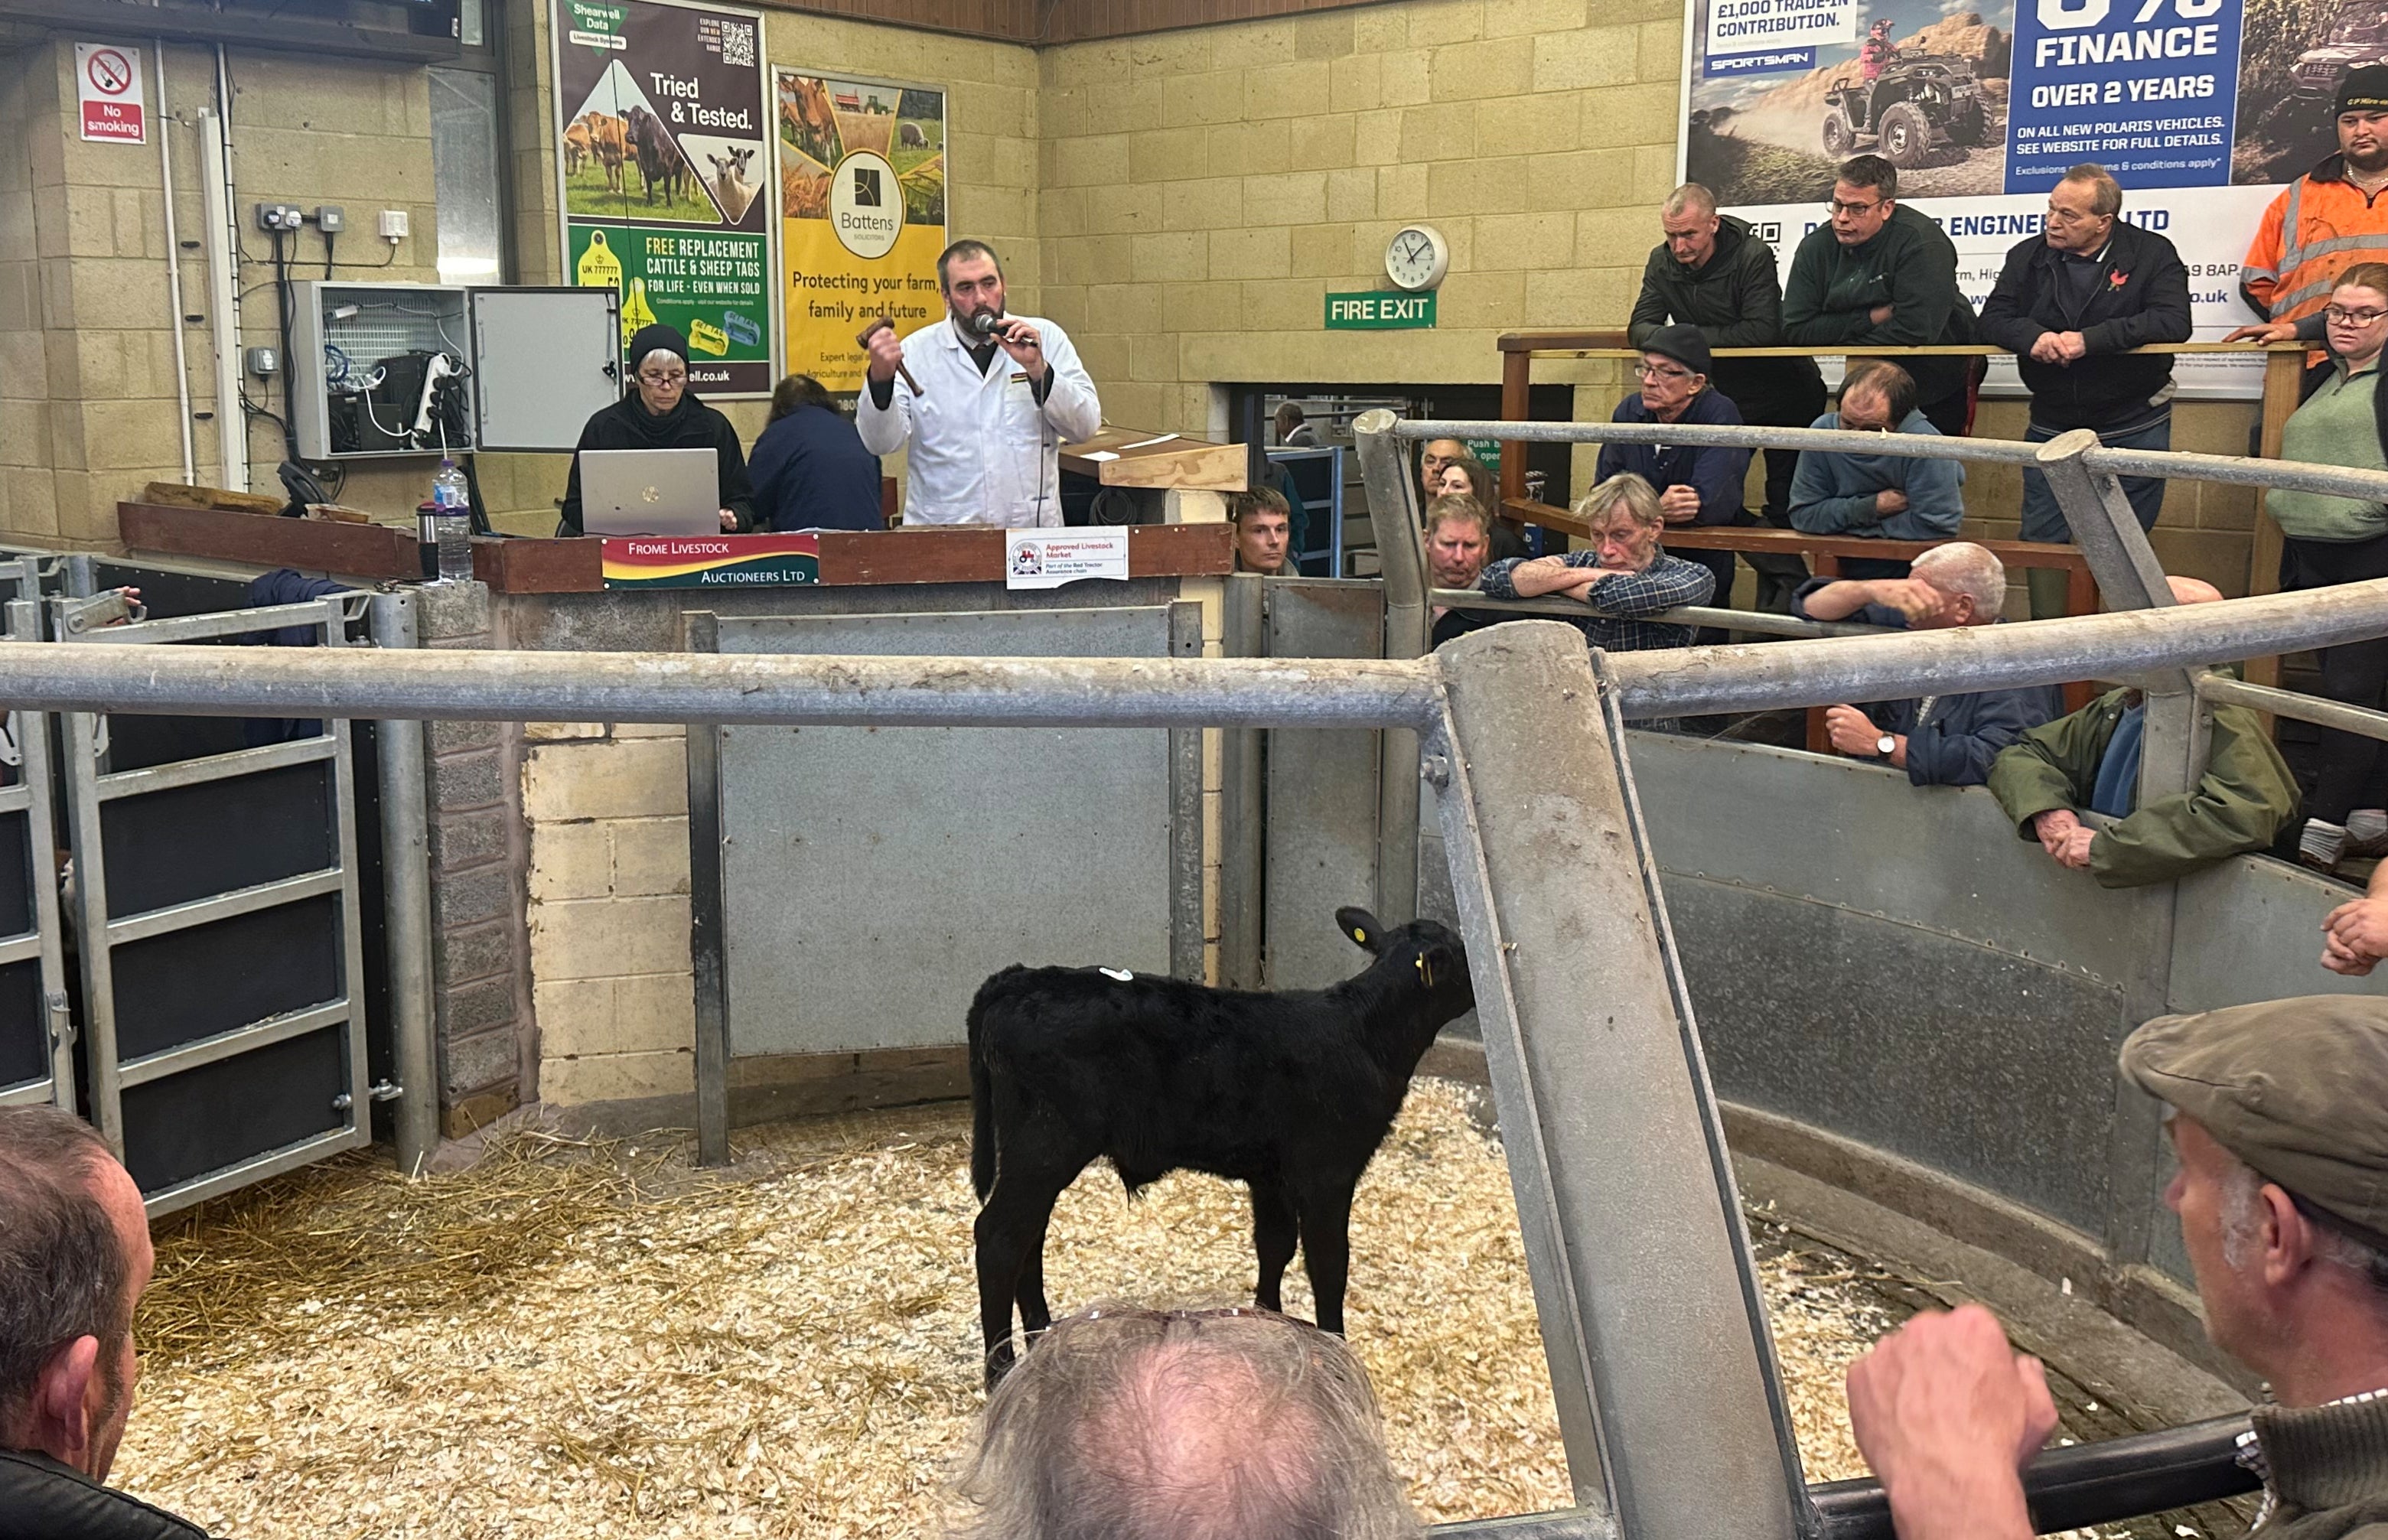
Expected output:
{"points": [[585, 1342]]}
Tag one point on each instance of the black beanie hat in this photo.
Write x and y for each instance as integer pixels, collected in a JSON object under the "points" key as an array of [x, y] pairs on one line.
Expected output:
{"points": [[1686, 345], [2364, 90], [669, 339]]}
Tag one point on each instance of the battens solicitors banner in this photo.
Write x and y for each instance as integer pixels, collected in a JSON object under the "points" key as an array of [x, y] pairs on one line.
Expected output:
{"points": [[662, 163], [2202, 119], [862, 192]]}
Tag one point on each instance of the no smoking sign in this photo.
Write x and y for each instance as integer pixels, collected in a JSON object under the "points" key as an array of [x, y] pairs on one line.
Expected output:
{"points": [[107, 88]]}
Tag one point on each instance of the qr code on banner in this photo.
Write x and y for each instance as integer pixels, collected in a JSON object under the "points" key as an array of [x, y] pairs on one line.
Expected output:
{"points": [[738, 43]]}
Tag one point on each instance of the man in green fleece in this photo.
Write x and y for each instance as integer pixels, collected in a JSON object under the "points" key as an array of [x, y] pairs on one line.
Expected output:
{"points": [[2278, 1117], [2092, 759], [1878, 276]]}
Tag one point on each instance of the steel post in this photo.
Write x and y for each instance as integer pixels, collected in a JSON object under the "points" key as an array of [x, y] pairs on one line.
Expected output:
{"points": [[708, 918], [406, 902], [1660, 1357], [1394, 516], [2172, 759]]}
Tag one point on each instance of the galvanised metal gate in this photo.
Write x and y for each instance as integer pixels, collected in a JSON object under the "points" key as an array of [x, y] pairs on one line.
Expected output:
{"points": [[216, 922], [36, 1033]]}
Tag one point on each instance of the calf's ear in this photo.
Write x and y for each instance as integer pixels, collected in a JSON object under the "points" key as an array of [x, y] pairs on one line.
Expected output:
{"points": [[1361, 926]]}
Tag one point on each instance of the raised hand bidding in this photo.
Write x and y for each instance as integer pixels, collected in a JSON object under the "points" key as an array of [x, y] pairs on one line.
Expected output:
{"points": [[863, 340]]}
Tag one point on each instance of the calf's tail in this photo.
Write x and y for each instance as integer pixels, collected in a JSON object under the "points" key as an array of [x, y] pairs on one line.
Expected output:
{"points": [[982, 1095]]}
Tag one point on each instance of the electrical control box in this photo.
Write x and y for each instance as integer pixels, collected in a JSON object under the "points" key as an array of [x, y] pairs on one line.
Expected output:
{"points": [[377, 370]]}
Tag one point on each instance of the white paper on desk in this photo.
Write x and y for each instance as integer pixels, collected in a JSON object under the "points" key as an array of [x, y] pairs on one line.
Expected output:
{"points": [[1147, 443], [1048, 558], [1102, 455]]}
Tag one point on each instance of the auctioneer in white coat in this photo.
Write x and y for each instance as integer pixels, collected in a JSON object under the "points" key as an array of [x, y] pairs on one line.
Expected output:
{"points": [[983, 449]]}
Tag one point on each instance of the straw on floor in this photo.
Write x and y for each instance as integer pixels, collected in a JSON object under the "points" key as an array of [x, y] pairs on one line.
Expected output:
{"points": [[575, 1341]]}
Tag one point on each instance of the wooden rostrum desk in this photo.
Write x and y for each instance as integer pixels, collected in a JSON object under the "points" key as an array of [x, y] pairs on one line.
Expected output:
{"points": [[849, 887]]}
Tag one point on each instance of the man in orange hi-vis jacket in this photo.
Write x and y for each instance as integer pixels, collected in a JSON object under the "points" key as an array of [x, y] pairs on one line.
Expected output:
{"points": [[2329, 218]]}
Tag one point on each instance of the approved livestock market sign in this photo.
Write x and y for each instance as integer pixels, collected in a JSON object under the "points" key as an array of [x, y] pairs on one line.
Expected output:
{"points": [[664, 171], [108, 93]]}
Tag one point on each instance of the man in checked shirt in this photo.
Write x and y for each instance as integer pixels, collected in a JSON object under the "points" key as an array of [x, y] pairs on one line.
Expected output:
{"points": [[1621, 573]]}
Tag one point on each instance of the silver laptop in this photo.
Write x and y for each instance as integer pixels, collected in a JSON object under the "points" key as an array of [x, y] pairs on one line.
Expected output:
{"points": [[650, 491]]}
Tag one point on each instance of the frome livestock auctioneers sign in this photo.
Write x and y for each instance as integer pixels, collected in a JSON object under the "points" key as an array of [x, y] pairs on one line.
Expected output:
{"points": [[711, 561], [664, 176], [2202, 121], [108, 93], [862, 214]]}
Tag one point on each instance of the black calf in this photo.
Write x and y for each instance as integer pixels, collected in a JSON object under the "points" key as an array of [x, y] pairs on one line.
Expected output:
{"points": [[1291, 1093]]}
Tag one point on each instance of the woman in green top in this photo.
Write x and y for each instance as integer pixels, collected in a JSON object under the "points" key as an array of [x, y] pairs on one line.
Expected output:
{"points": [[2342, 539]]}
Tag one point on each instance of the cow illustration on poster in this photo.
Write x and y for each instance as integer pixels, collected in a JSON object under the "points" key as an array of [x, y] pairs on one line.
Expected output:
{"points": [[862, 204], [661, 148]]}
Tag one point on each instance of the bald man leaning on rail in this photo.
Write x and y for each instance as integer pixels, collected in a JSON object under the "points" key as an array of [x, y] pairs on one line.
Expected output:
{"points": [[2090, 761], [1937, 740]]}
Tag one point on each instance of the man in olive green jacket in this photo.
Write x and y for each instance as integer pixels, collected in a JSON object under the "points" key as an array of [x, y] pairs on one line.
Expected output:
{"points": [[2279, 1118], [2243, 802]]}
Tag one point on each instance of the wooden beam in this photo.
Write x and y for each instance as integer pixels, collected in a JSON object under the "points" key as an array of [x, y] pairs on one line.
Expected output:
{"points": [[277, 29]]}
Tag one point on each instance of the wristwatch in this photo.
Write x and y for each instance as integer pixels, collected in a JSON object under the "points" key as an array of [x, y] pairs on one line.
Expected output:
{"points": [[1886, 745]]}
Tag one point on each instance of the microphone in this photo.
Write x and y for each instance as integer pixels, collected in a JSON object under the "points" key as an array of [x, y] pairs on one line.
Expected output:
{"points": [[984, 324]]}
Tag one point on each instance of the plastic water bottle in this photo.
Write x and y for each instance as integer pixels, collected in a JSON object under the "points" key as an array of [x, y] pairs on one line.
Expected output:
{"points": [[452, 523]]}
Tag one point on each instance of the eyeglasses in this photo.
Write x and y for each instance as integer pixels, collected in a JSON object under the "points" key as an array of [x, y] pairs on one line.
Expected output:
{"points": [[2339, 315], [1854, 210], [645, 378], [1660, 371]]}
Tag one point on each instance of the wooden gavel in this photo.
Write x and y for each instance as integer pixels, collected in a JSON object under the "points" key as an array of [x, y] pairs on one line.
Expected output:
{"points": [[884, 325]]}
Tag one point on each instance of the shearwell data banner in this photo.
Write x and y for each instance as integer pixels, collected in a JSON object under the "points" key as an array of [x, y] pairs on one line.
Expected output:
{"points": [[862, 202], [2202, 113], [662, 166]]}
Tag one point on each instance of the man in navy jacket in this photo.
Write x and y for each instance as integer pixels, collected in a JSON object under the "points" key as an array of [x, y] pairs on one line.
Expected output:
{"points": [[2071, 304], [1939, 740], [1696, 484]]}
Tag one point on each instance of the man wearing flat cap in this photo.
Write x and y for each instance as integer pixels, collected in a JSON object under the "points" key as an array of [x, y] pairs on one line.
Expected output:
{"points": [[2327, 220], [1696, 483], [2278, 1116]]}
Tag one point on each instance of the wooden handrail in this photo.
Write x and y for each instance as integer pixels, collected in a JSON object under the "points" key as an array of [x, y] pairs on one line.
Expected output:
{"points": [[1612, 343]]}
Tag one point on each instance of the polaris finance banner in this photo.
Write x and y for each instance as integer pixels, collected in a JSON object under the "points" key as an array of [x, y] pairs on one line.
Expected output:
{"points": [[2202, 114]]}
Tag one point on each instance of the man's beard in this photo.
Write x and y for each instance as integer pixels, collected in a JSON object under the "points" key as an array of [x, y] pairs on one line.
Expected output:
{"points": [[967, 322], [2367, 163]]}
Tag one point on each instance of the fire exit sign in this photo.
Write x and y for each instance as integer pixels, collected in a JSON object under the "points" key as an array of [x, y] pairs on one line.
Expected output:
{"points": [[1381, 310]]}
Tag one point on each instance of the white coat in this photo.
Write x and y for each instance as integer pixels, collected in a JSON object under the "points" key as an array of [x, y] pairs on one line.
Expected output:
{"points": [[981, 452]]}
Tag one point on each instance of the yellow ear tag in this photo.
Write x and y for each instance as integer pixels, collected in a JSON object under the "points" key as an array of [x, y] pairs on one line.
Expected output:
{"points": [[1426, 974], [1360, 935]]}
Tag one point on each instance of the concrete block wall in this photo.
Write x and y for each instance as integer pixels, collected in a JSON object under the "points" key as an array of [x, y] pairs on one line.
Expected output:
{"points": [[1265, 164], [94, 416], [605, 811], [480, 950]]}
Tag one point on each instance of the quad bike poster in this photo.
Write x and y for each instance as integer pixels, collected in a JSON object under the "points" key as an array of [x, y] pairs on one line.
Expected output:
{"points": [[661, 168], [862, 204], [2203, 110]]}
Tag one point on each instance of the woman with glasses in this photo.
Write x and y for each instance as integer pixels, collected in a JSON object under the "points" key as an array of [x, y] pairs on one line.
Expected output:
{"points": [[2343, 540], [661, 412]]}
